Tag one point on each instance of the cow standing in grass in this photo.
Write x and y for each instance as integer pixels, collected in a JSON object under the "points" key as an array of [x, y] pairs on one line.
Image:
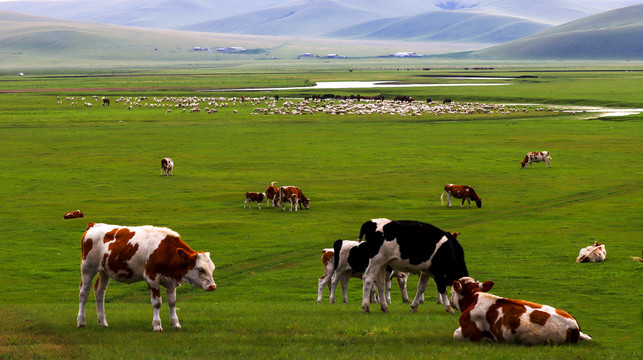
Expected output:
{"points": [[463, 192], [167, 166], [156, 255], [272, 195], [534, 157]]}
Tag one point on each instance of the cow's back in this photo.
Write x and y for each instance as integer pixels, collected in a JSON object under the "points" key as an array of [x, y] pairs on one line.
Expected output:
{"points": [[123, 252]]}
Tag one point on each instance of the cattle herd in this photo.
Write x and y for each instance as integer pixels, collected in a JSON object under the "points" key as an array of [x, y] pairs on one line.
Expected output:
{"points": [[385, 249]]}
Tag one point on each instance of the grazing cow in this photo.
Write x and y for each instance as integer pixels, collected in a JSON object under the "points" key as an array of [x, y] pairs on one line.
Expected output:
{"points": [[272, 194], [167, 165], [415, 247], [593, 253], [293, 195], [155, 255], [105, 101], [74, 215], [463, 192], [491, 318], [349, 259], [253, 196], [447, 101], [534, 157]]}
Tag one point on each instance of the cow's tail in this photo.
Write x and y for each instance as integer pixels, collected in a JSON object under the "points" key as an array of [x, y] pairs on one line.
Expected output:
{"points": [[585, 337], [548, 157], [273, 183], [442, 198], [337, 247]]}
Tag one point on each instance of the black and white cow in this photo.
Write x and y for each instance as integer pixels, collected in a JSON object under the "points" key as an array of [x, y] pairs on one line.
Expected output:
{"points": [[415, 247], [349, 259]]}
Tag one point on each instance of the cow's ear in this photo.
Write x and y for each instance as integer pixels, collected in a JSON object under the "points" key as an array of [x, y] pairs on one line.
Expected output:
{"points": [[456, 286], [183, 255], [486, 286]]}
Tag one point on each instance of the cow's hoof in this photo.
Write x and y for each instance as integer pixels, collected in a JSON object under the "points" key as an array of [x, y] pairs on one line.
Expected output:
{"points": [[414, 309], [385, 310], [450, 310], [366, 310]]}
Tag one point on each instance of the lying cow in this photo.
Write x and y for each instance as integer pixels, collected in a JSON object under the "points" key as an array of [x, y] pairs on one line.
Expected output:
{"points": [[167, 166], [463, 192], [155, 255], [593, 253], [415, 247], [294, 196], [272, 195], [74, 215], [349, 259], [534, 157], [488, 317], [254, 197]]}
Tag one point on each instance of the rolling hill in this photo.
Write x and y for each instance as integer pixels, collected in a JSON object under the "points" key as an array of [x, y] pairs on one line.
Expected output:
{"points": [[444, 26], [616, 34]]}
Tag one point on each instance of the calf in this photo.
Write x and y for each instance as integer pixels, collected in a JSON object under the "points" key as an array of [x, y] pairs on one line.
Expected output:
{"points": [[155, 255], [593, 253], [491, 318], [533, 157], [411, 246], [74, 215], [272, 195], [294, 196], [349, 259], [254, 196], [463, 192], [167, 165]]}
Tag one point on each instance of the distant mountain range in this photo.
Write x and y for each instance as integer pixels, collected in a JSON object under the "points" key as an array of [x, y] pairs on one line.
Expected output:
{"points": [[484, 21], [615, 34]]}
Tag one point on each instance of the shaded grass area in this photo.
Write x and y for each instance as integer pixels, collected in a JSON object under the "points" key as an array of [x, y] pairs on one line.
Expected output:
{"points": [[526, 237]]}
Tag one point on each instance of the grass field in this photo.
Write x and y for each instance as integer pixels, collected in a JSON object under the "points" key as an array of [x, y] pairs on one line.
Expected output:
{"points": [[105, 161]]}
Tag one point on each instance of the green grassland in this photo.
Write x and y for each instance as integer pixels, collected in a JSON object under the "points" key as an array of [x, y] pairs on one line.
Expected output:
{"points": [[105, 161]]}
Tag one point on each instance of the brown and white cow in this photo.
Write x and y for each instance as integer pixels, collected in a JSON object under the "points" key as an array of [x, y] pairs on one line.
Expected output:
{"points": [[487, 317], [167, 165], [254, 197], [463, 192], [156, 255], [294, 196], [74, 215], [272, 195], [351, 261], [593, 253], [534, 157]]}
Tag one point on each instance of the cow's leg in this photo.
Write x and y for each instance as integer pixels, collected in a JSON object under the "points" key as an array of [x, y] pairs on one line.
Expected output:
{"points": [[367, 286], [323, 281], [387, 283], [346, 275], [441, 285], [171, 302], [422, 282], [85, 288], [380, 282], [333, 285], [463, 200], [245, 203], [99, 294], [448, 199], [469, 200], [155, 294], [401, 281], [457, 335], [259, 204]]}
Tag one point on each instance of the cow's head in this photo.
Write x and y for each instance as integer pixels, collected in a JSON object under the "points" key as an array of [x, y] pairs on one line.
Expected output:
{"points": [[463, 292], [200, 275], [478, 202], [306, 203]]}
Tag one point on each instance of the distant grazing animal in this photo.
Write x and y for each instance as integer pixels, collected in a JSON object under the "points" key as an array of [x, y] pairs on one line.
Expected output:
{"points": [[272, 195], [640, 259], [167, 165], [105, 101], [415, 247], [593, 253], [349, 259], [534, 157], [74, 215], [403, 98], [486, 317], [447, 101], [254, 196], [294, 196], [156, 255], [463, 192]]}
